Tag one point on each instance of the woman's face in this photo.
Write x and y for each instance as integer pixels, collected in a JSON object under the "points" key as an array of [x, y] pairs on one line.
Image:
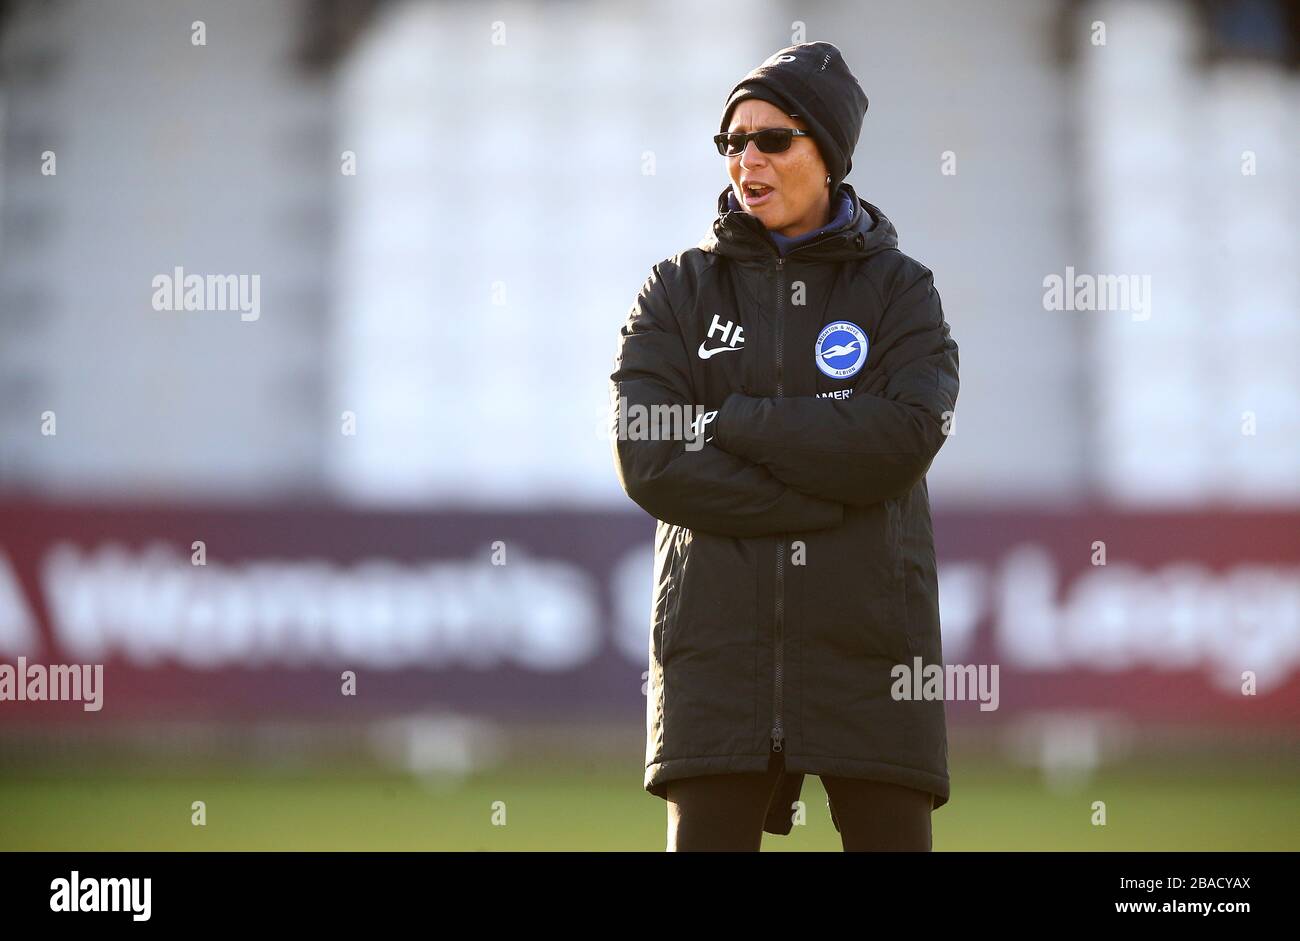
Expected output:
{"points": [[800, 199]]}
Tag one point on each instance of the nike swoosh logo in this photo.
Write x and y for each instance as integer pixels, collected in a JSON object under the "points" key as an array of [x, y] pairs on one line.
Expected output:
{"points": [[705, 354]]}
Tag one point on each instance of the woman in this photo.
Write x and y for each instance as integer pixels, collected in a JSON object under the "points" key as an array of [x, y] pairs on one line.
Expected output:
{"points": [[794, 565]]}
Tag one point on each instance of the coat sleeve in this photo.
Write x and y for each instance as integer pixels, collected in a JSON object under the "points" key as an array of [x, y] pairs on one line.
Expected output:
{"points": [[700, 487], [878, 443]]}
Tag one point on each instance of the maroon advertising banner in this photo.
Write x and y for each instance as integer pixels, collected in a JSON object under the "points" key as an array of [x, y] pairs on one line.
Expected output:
{"points": [[254, 613]]}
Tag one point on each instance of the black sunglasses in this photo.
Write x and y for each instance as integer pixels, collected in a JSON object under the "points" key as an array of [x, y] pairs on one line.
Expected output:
{"points": [[770, 140]]}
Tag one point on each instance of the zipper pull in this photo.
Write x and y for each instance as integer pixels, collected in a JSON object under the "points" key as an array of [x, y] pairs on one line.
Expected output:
{"points": [[778, 738]]}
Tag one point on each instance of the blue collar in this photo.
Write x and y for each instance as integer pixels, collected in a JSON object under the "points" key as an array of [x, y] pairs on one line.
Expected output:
{"points": [[783, 244]]}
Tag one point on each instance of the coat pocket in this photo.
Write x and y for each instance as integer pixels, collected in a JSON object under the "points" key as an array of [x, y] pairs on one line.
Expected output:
{"points": [[898, 574], [673, 590], [894, 533], [871, 601]]}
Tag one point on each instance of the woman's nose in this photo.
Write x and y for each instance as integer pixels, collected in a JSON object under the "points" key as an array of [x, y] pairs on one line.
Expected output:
{"points": [[748, 154]]}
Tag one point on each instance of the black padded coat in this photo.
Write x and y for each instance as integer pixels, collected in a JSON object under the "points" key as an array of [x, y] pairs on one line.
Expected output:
{"points": [[794, 555]]}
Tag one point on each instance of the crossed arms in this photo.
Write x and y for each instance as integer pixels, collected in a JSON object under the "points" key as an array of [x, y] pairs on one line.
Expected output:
{"points": [[790, 464]]}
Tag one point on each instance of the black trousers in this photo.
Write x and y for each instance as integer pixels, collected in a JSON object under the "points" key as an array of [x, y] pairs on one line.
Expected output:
{"points": [[725, 812]]}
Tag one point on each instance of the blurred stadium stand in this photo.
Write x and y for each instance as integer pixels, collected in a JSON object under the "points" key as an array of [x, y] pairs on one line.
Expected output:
{"points": [[462, 291]]}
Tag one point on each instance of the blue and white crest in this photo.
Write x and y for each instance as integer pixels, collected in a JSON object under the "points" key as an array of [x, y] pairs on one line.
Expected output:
{"points": [[841, 349]]}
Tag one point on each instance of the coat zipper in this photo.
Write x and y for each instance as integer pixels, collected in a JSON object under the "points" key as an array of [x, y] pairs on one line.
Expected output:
{"points": [[778, 732], [778, 729]]}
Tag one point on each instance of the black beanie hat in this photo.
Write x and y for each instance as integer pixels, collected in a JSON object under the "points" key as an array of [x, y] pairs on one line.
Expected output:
{"points": [[812, 82]]}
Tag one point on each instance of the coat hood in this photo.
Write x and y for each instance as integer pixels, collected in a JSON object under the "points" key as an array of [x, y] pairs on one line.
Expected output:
{"points": [[740, 235]]}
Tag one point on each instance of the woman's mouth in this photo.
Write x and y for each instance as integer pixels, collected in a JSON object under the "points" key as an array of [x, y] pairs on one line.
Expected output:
{"points": [[756, 194]]}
